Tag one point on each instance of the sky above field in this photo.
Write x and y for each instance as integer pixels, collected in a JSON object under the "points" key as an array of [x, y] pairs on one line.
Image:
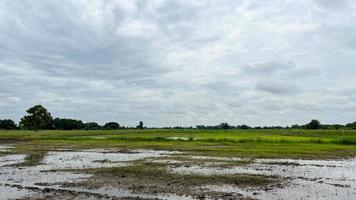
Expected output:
{"points": [[179, 62]]}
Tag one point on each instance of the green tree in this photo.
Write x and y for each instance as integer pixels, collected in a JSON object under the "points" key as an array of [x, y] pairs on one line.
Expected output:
{"points": [[140, 125], [7, 124], [244, 126], [351, 125], [111, 126], [92, 126], [38, 118], [67, 124], [224, 125], [313, 124]]}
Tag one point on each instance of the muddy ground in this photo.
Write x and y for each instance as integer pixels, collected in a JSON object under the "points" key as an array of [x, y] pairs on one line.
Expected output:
{"points": [[149, 174]]}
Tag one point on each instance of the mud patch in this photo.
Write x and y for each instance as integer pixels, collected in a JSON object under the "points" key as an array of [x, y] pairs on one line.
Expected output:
{"points": [[46, 173], [308, 179], [156, 179]]}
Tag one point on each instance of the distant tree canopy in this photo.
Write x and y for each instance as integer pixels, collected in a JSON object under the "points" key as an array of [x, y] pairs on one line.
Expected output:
{"points": [[92, 126], [313, 124], [332, 126], [351, 125], [7, 124], [244, 126], [38, 118], [67, 124], [224, 125], [111, 126], [140, 125]]}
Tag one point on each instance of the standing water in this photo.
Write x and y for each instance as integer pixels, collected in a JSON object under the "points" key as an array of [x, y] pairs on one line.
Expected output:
{"points": [[305, 179], [302, 179]]}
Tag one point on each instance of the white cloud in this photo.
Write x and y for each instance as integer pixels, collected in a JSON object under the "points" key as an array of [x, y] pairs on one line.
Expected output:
{"points": [[180, 63], [14, 99]]}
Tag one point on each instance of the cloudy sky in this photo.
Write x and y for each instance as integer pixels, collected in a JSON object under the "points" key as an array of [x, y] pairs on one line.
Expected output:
{"points": [[175, 62]]}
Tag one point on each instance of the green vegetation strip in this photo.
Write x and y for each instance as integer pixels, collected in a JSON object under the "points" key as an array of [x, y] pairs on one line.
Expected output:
{"points": [[277, 143]]}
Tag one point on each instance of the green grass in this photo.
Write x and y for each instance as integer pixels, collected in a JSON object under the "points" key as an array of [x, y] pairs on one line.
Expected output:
{"points": [[298, 143]]}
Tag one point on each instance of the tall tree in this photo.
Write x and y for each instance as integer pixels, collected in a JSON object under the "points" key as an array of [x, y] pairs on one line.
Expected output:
{"points": [[38, 118], [140, 125]]}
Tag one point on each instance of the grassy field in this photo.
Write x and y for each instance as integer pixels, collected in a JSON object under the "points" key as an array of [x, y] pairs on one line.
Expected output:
{"points": [[322, 144]]}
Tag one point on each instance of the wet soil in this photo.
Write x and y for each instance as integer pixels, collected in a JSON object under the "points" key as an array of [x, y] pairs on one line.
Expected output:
{"points": [[148, 174]]}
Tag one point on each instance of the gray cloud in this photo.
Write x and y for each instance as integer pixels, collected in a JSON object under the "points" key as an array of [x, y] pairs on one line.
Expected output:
{"points": [[180, 63], [275, 87]]}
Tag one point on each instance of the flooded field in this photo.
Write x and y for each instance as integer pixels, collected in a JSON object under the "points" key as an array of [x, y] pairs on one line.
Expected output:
{"points": [[66, 174], [306, 179], [19, 180]]}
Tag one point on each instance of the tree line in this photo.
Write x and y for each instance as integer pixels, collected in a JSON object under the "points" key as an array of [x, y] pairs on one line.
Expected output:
{"points": [[38, 118], [313, 125]]}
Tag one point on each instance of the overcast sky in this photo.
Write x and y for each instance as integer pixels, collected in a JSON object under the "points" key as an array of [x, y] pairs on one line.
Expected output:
{"points": [[175, 62]]}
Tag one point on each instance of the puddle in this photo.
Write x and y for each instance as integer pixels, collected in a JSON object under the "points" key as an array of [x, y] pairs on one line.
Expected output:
{"points": [[220, 158], [179, 138], [5, 148], [307, 179], [11, 159], [95, 158], [14, 193], [307, 169]]}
